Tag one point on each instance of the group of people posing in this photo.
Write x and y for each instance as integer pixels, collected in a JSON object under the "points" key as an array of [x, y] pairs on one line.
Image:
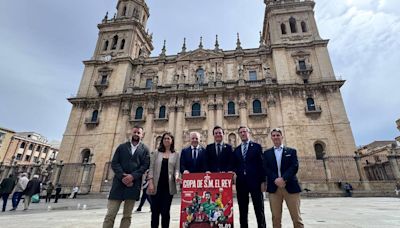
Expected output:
{"points": [[255, 172]]}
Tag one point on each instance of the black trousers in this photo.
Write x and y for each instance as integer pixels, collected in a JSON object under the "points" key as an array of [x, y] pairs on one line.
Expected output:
{"points": [[5, 198], [258, 203], [57, 197], [144, 198], [160, 205]]}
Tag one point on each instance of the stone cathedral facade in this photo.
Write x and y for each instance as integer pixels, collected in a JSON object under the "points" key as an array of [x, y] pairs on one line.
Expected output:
{"points": [[287, 82]]}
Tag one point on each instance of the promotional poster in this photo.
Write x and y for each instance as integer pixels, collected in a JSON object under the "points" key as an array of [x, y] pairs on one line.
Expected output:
{"points": [[207, 200]]}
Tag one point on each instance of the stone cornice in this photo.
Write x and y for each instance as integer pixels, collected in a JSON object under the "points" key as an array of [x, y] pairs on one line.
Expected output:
{"points": [[204, 92]]}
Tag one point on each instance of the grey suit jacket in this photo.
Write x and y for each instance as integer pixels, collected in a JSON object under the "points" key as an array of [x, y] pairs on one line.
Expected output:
{"points": [[155, 169]]}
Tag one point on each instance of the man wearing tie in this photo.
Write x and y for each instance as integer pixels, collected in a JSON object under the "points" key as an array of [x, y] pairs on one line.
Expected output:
{"points": [[281, 166], [219, 154], [193, 158], [248, 167]]}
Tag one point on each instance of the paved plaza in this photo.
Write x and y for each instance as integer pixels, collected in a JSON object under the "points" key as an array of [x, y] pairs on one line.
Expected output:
{"points": [[316, 212]]}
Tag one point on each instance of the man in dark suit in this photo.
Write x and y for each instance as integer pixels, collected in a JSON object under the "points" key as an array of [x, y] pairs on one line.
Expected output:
{"points": [[129, 163], [248, 167], [193, 158], [281, 166], [219, 154]]}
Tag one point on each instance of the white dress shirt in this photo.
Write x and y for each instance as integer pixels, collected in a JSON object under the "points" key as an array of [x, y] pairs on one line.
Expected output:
{"points": [[278, 155], [133, 148]]}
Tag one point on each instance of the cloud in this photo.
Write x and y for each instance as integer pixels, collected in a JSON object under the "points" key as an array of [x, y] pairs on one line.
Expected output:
{"points": [[44, 43]]}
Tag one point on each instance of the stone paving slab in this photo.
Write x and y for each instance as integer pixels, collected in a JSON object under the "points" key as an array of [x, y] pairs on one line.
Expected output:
{"points": [[317, 212]]}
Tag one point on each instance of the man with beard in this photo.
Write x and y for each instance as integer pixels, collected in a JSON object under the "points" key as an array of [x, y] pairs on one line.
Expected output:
{"points": [[129, 163]]}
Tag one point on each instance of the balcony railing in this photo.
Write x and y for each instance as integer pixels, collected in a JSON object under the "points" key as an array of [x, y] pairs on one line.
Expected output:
{"points": [[304, 71], [101, 85], [158, 118], [231, 113], [258, 112], [137, 120], [313, 109], [195, 115], [91, 121]]}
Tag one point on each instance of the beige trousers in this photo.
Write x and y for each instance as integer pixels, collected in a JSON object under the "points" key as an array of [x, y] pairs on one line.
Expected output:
{"points": [[27, 202], [112, 211], [293, 204]]}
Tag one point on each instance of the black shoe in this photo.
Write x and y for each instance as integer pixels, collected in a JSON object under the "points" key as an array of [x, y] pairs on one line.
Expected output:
{"points": [[139, 209], [12, 209]]}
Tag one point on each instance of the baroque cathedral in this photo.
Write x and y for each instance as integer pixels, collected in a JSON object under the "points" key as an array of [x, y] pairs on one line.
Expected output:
{"points": [[287, 82]]}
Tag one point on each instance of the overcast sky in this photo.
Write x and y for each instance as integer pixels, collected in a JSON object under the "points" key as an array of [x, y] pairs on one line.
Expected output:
{"points": [[43, 44]]}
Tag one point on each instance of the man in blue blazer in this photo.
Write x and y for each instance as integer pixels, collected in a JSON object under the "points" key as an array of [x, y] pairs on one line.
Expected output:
{"points": [[193, 158], [281, 166], [219, 154], [250, 178]]}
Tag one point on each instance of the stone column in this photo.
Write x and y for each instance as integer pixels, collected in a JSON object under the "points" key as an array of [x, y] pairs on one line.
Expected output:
{"points": [[357, 158], [243, 112], [57, 174], [179, 127], [148, 128], [171, 120], [211, 121], [393, 164], [272, 114], [220, 114]]}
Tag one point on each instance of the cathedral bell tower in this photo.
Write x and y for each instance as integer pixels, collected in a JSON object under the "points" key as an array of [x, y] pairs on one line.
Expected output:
{"points": [[125, 33], [291, 31]]}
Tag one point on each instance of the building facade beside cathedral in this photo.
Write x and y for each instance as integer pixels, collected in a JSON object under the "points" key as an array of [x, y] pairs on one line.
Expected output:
{"points": [[287, 81]]}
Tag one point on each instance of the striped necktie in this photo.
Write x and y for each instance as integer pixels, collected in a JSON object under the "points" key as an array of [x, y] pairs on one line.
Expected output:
{"points": [[245, 147]]}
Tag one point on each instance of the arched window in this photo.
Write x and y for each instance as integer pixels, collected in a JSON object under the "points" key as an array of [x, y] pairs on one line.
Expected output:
{"points": [[139, 113], [257, 106], [303, 26], [122, 44], [196, 109], [283, 29], [105, 47], [231, 108], [310, 104], [293, 26], [95, 114], [161, 114], [124, 11], [319, 151], [31, 147], [22, 145], [38, 148], [85, 155], [135, 13], [200, 75], [114, 43]]}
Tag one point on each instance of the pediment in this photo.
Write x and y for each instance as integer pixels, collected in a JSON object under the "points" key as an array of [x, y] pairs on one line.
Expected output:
{"points": [[200, 54]]}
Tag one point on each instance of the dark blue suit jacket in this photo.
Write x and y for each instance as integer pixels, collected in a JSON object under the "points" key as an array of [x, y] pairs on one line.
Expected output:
{"points": [[187, 162], [222, 163], [289, 168], [253, 165]]}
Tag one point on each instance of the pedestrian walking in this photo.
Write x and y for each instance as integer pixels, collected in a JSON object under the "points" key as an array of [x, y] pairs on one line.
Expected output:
{"points": [[32, 189], [19, 190], [6, 187], [49, 191], [145, 196], [58, 191]]}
